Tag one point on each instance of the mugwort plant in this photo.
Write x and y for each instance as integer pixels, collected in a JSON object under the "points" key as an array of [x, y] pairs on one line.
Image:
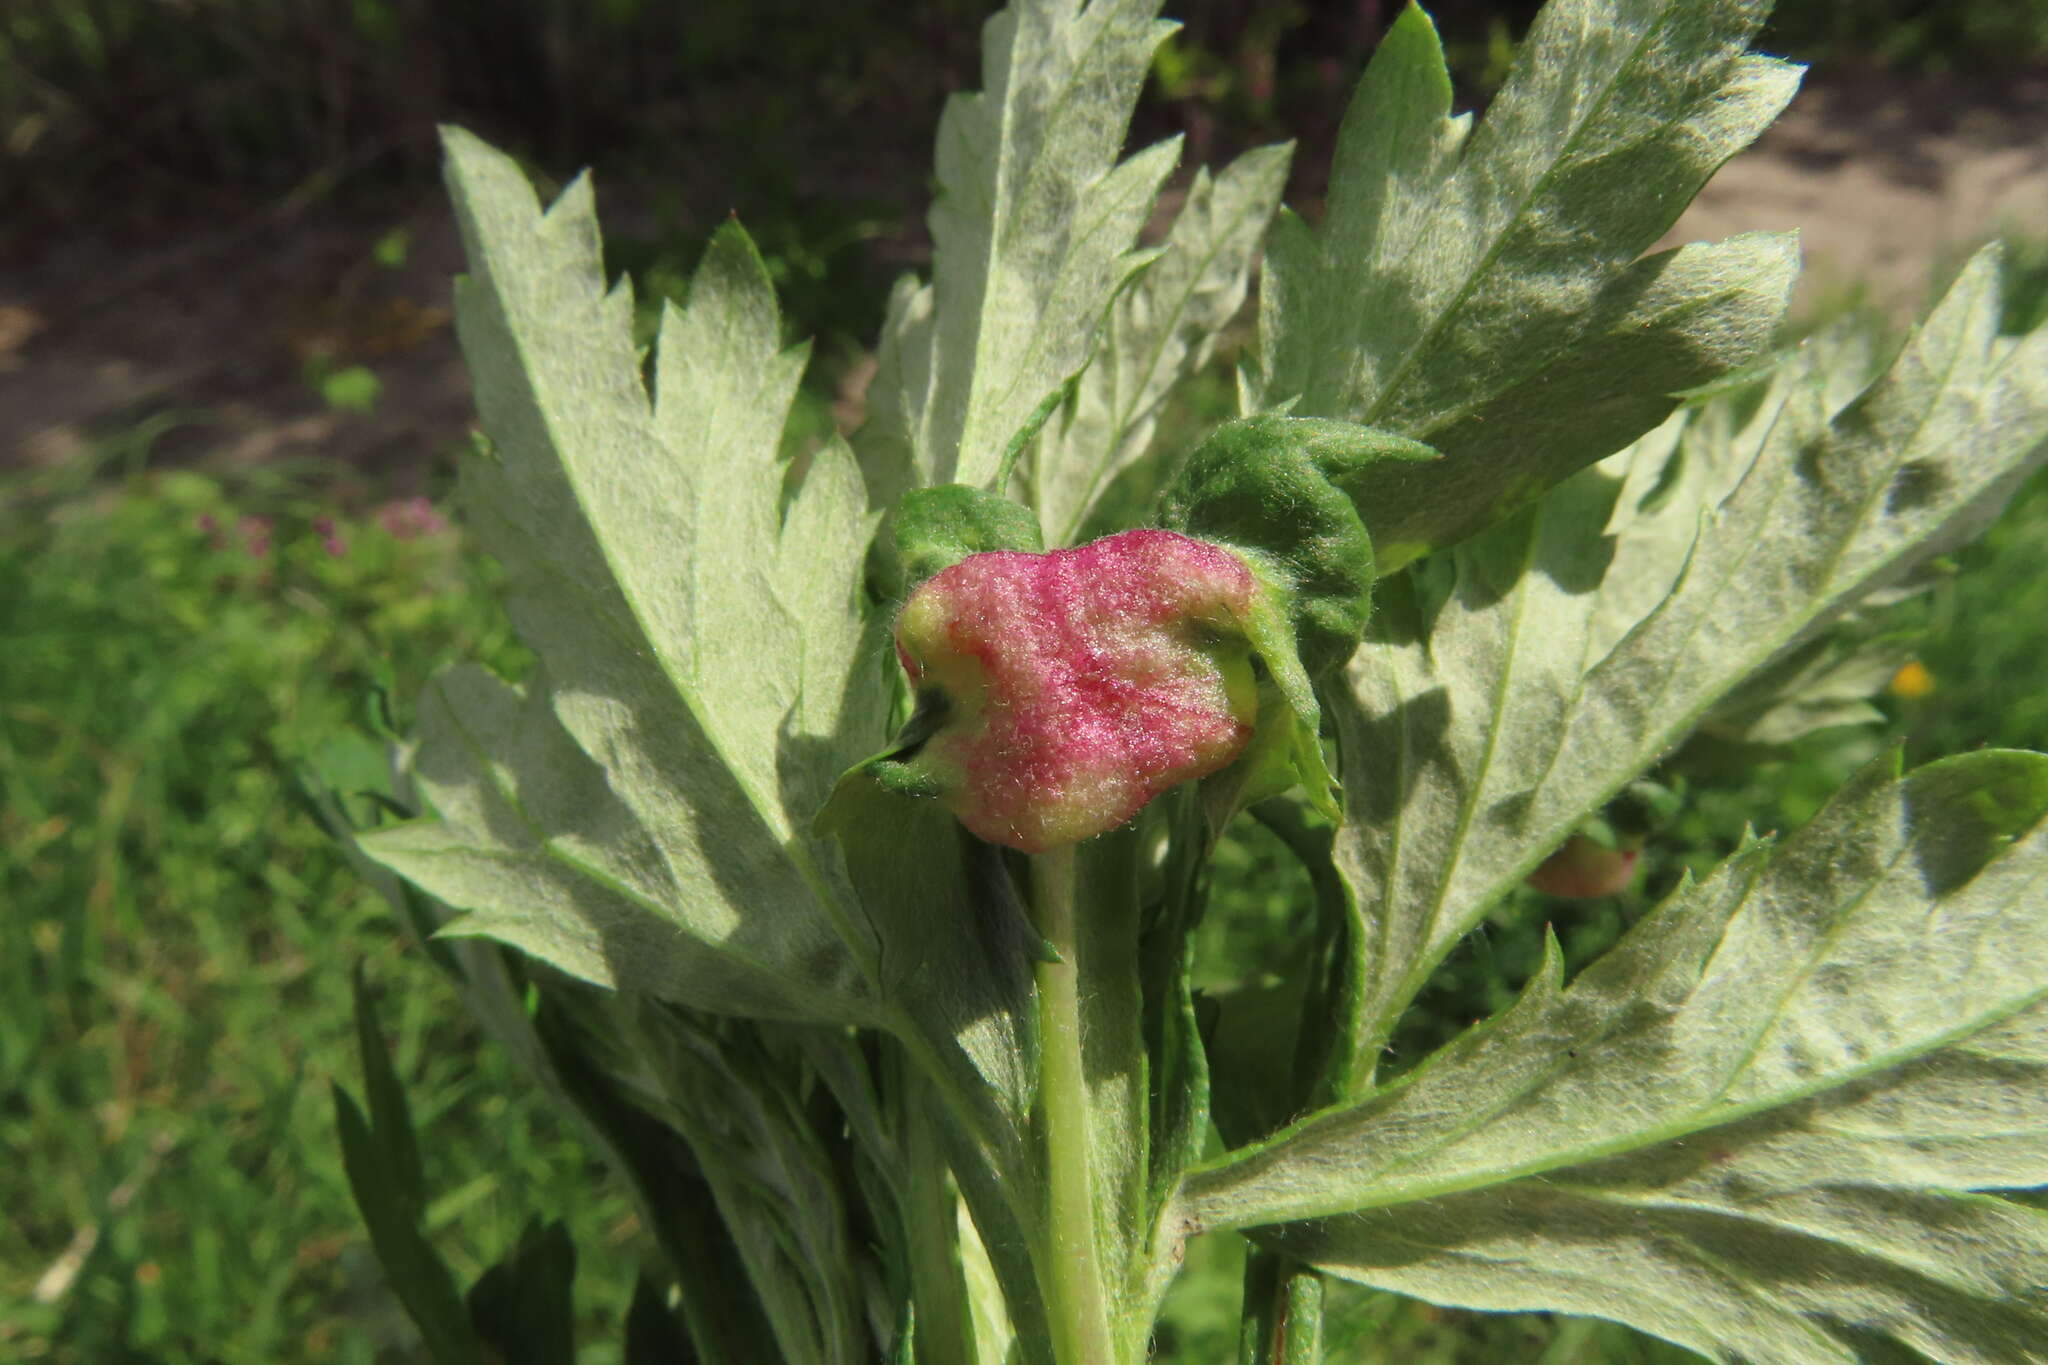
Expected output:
{"points": [[837, 863]]}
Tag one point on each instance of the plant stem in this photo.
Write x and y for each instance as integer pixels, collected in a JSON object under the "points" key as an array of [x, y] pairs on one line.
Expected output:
{"points": [[943, 1328], [1080, 1311], [1283, 1312]]}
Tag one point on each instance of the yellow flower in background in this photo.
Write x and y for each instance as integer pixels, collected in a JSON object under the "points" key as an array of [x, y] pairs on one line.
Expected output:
{"points": [[1912, 681]]}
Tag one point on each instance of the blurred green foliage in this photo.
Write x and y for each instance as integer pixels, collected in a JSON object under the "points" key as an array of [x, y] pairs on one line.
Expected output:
{"points": [[177, 933], [105, 104]]}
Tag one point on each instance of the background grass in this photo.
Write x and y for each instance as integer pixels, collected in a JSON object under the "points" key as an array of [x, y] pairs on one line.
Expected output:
{"points": [[176, 934]]}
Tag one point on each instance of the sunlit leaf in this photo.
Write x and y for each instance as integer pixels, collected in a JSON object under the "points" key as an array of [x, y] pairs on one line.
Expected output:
{"points": [[705, 665], [1034, 230], [1769, 1125], [1478, 287], [1163, 329], [1520, 681]]}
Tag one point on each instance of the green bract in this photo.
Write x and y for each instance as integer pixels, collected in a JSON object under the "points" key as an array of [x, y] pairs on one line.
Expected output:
{"points": [[935, 528], [1286, 488], [871, 1114]]}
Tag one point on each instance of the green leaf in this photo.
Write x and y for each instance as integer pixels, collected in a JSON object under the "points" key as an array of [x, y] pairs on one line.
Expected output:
{"points": [[320, 784], [416, 1273], [523, 1306], [706, 665], [1479, 288], [535, 845], [1323, 1064], [1034, 231], [957, 977], [381, 1156], [737, 1096], [1162, 329], [1178, 1118], [1509, 688], [651, 559], [718, 1303], [888, 1120], [1108, 916], [1826, 682], [1768, 1125], [905, 1351], [391, 1127], [946, 915]]}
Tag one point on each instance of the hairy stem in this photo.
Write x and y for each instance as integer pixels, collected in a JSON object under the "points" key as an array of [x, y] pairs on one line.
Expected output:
{"points": [[1283, 1312], [1079, 1308], [931, 1228]]}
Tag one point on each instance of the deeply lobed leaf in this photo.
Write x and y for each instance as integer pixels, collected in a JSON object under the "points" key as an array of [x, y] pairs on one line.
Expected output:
{"points": [[1522, 680], [1033, 233], [1162, 329], [1758, 1126], [533, 843], [1478, 288], [640, 816]]}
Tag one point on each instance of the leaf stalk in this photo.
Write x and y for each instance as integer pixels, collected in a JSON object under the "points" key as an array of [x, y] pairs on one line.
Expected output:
{"points": [[1081, 1330]]}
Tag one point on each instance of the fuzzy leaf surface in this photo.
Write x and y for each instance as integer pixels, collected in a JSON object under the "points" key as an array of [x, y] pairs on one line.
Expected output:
{"points": [[1162, 329], [739, 1102], [1034, 231], [1478, 288], [1768, 1125], [953, 966], [1513, 685], [643, 813], [642, 816], [534, 846]]}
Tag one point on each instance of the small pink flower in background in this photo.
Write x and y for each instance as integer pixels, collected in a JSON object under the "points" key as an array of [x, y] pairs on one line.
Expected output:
{"points": [[255, 535], [209, 525], [411, 518], [330, 538]]}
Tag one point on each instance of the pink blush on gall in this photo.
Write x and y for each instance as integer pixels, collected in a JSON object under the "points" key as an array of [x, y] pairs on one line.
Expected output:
{"points": [[1080, 683]]}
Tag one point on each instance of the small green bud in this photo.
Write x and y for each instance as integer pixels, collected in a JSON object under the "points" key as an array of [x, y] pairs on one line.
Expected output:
{"points": [[1280, 486], [936, 528]]}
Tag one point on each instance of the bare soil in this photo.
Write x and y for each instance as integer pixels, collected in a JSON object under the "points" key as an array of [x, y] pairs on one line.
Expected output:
{"points": [[1889, 182], [212, 330]]}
